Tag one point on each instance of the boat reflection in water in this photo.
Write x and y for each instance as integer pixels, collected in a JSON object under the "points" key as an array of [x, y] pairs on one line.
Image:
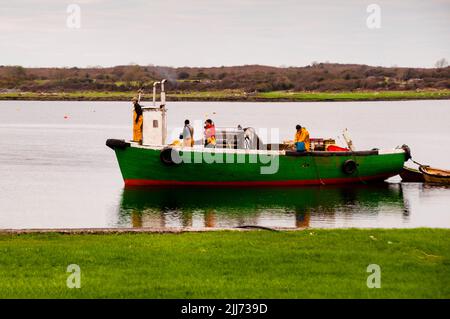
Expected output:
{"points": [[379, 205]]}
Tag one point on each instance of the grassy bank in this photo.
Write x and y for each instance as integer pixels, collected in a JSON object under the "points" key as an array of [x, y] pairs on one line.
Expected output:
{"points": [[236, 95], [313, 263]]}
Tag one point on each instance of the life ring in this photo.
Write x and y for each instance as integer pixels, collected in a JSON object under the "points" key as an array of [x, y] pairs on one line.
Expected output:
{"points": [[169, 157], [349, 167]]}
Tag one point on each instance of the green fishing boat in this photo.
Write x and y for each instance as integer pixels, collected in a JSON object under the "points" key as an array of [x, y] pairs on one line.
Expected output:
{"points": [[240, 158]]}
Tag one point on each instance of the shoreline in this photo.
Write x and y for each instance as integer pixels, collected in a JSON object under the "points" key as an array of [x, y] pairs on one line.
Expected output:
{"points": [[233, 96], [141, 230], [181, 230]]}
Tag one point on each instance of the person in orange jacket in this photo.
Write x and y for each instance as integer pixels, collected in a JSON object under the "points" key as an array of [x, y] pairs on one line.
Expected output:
{"points": [[302, 136], [137, 121]]}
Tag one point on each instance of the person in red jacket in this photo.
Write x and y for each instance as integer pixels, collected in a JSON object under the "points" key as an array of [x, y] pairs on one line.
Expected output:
{"points": [[210, 133]]}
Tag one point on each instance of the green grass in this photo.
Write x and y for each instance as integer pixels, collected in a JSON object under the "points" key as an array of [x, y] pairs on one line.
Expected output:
{"points": [[414, 263], [356, 96], [236, 95]]}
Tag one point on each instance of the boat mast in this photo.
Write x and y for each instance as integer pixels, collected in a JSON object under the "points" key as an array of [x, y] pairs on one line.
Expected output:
{"points": [[154, 92], [163, 110], [348, 140]]}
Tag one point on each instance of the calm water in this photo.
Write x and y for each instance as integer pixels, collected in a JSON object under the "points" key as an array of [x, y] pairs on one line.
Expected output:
{"points": [[57, 172]]}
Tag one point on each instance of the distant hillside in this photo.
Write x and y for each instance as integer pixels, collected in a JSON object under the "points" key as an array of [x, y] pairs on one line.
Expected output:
{"points": [[320, 77]]}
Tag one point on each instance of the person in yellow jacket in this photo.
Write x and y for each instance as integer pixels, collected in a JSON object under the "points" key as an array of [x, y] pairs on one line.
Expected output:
{"points": [[302, 136], [137, 121]]}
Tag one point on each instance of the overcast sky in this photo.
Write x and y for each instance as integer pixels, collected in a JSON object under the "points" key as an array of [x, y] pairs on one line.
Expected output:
{"points": [[231, 32]]}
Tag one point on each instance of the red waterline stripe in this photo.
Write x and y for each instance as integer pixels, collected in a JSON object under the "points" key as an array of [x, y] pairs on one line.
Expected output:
{"points": [[328, 181]]}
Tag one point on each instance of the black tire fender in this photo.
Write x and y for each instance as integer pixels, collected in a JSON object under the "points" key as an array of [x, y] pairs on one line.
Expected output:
{"points": [[407, 152], [119, 144], [349, 167], [169, 156]]}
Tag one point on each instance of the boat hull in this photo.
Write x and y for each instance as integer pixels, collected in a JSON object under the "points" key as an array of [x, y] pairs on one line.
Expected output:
{"points": [[435, 176], [410, 175], [141, 166]]}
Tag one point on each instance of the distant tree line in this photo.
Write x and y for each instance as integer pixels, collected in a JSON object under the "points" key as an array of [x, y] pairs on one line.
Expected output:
{"points": [[249, 78]]}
